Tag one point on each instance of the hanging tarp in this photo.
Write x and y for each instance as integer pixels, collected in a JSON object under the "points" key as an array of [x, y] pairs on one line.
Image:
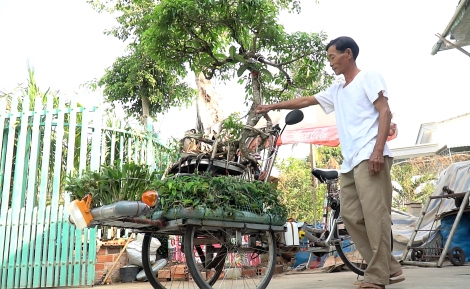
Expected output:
{"points": [[316, 127]]}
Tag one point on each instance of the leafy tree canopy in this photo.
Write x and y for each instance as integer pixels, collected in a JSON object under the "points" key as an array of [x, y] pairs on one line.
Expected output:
{"points": [[221, 38], [138, 83], [225, 38]]}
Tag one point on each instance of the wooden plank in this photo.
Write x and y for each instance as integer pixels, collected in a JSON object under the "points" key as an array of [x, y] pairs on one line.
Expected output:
{"points": [[19, 251], [129, 149], [83, 142], [66, 244], [121, 145], [31, 265], [90, 237], [3, 106], [77, 257], [60, 243], [94, 165], [113, 147], [41, 228], [30, 199], [149, 149], [18, 198], [143, 152], [96, 141], [23, 241], [71, 137], [103, 154], [136, 149], [77, 252], [70, 258], [3, 151], [66, 255], [7, 173], [7, 283], [46, 277], [83, 256], [54, 244]]}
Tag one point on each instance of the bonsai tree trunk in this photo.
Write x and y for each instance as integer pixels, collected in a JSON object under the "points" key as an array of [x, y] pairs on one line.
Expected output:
{"points": [[209, 113], [145, 109], [252, 118]]}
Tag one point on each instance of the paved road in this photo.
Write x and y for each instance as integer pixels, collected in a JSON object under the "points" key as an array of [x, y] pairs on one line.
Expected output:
{"points": [[416, 278]]}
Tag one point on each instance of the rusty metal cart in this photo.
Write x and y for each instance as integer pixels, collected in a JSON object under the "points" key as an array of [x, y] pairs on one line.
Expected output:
{"points": [[422, 255]]}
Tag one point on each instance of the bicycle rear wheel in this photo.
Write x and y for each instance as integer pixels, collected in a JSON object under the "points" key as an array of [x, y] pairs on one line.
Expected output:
{"points": [[346, 249]]}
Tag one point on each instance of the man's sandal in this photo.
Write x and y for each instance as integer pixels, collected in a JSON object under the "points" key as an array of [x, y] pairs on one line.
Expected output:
{"points": [[393, 278], [365, 285]]}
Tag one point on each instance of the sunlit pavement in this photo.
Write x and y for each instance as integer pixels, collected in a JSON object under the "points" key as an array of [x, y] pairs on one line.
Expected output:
{"points": [[416, 278]]}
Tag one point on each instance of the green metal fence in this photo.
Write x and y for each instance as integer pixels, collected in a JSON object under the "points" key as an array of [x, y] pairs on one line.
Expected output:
{"points": [[38, 149]]}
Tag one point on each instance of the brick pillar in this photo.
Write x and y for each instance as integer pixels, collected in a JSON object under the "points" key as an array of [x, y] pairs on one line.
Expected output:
{"points": [[105, 258]]}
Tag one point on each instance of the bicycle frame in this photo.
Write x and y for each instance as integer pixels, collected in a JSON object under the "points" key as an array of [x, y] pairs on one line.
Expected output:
{"points": [[329, 225], [272, 154]]}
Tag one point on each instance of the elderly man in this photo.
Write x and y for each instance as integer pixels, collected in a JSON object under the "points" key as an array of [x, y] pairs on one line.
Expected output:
{"points": [[363, 119]]}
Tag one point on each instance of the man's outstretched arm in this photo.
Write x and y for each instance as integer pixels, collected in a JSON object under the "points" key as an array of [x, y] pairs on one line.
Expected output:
{"points": [[296, 103]]}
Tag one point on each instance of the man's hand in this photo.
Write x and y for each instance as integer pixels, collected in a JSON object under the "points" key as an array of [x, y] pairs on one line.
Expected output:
{"points": [[261, 109], [376, 162]]}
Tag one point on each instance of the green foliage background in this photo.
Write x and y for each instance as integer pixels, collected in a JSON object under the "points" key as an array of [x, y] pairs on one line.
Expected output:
{"points": [[296, 183]]}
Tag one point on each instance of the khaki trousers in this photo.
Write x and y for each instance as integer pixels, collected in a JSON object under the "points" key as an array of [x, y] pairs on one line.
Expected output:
{"points": [[366, 203]]}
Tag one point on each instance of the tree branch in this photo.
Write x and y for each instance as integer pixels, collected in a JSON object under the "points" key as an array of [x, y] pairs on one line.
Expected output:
{"points": [[294, 60], [256, 33], [267, 62]]}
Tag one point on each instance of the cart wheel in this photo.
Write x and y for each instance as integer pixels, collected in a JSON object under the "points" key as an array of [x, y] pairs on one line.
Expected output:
{"points": [[172, 276], [417, 255], [247, 259], [456, 256]]}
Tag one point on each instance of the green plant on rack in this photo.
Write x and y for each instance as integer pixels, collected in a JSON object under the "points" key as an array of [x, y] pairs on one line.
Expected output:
{"points": [[223, 193], [112, 183]]}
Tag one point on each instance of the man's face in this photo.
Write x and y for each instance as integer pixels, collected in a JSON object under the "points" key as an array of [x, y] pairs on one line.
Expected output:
{"points": [[338, 61]]}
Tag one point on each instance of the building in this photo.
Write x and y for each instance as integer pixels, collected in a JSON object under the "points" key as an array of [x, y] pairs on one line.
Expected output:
{"points": [[444, 137]]}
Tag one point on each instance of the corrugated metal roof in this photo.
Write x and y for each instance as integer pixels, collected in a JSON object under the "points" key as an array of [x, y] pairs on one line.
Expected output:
{"points": [[458, 29]]}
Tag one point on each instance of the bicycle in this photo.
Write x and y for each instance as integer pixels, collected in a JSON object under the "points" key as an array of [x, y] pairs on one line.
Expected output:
{"points": [[339, 238], [335, 233]]}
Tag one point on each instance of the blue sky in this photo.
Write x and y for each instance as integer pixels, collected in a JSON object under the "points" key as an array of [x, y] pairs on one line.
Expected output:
{"points": [[65, 43]]}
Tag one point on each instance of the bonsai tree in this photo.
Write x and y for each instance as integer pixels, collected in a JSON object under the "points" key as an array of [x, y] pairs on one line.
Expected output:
{"points": [[223, 39]]}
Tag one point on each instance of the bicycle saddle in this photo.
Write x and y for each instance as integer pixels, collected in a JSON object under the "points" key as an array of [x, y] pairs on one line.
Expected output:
{"points": [[324, 175]]}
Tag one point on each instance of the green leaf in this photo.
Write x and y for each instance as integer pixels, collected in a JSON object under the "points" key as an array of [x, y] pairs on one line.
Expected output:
{"points": [[267, 73], [220, 56], [241, 70], [239, 58], [232, 51], [206, 60]]}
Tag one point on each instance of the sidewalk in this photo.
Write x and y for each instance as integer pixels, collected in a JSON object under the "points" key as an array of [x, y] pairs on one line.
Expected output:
{"points": [[416, 278]]}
